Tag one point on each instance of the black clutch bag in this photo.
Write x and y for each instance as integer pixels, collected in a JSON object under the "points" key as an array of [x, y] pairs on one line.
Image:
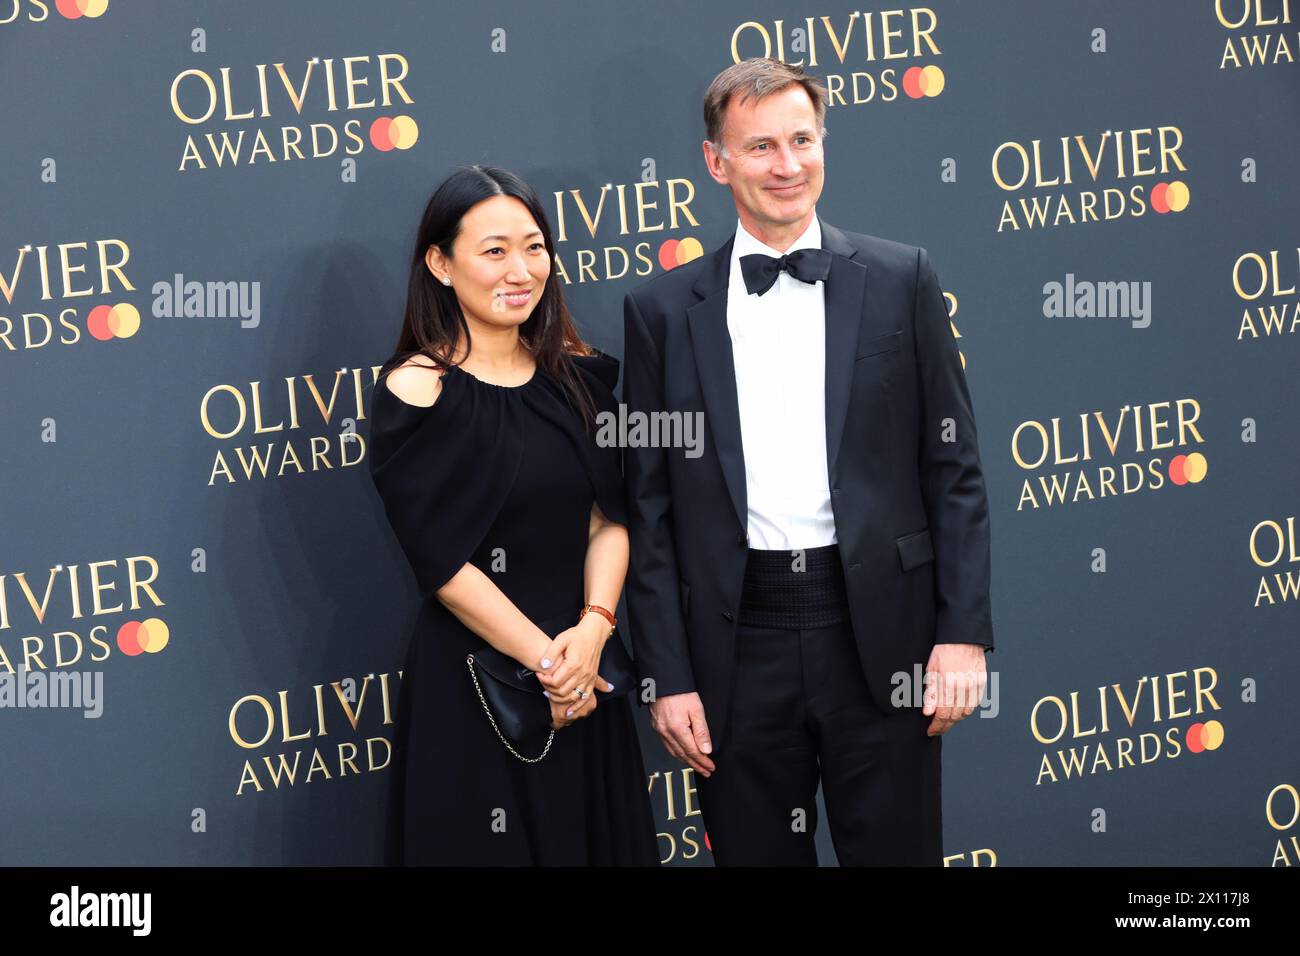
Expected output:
{"points": [[512, 695]]}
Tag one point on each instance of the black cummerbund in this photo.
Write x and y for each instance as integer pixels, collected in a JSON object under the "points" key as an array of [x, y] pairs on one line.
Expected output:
{"points": [[794, 589]]}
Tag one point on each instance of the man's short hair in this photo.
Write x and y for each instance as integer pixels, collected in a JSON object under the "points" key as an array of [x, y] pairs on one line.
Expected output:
{"points": [[754, 79]]}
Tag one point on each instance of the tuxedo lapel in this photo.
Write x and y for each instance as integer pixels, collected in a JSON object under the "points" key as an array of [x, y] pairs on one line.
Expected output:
{"points": [[845, 293], [713, 358]]}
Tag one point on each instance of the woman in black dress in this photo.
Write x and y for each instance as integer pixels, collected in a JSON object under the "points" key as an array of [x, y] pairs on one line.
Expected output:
{"points": [[482, 447]]}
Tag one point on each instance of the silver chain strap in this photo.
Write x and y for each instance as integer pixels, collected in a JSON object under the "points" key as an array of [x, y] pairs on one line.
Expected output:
{"points": [[469, 662]]}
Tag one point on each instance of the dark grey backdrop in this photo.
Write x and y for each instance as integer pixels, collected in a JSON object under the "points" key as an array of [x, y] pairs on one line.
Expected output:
{"points": [[284, 583]]}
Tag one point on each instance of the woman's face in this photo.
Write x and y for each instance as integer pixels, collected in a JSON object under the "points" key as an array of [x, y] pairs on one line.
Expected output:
{"points": [[499, 264]]}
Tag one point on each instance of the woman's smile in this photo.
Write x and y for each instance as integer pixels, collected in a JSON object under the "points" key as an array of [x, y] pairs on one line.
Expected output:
{"points": [[517, 298]]}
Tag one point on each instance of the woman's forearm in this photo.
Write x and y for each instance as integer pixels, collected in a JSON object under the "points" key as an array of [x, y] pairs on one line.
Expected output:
{"points": [[482, 607], [606, 565]]}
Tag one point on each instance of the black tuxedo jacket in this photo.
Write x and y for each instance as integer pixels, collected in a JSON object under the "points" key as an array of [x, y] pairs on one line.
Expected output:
{"points": [[907, 491]]}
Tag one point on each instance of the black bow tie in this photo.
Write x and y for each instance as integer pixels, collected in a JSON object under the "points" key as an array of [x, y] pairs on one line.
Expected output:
{"points": [[806, 265]]}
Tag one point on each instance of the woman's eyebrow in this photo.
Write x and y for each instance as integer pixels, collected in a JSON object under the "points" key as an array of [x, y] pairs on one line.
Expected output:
{"points": [[507, 238]]}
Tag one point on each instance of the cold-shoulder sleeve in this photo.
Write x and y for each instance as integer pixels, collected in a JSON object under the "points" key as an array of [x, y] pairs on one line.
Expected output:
{"points": [[600, 373], [442, 472]]}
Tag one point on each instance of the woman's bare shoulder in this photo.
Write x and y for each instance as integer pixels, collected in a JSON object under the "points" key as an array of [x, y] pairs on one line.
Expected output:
{"points": [[417, 381]]}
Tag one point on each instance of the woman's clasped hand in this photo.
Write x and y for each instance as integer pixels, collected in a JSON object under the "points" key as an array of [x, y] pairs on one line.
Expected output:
{"points": [[570, 665]]}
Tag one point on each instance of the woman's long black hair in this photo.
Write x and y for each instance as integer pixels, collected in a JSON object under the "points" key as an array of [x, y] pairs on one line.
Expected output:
{"points": [[434, 323]]}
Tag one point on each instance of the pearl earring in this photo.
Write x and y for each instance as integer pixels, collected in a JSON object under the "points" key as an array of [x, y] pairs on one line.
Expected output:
{"points": [[446, 281]]}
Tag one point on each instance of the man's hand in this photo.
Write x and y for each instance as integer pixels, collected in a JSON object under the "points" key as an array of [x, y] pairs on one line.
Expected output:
{"points": [[678, 719], [957, 687]]}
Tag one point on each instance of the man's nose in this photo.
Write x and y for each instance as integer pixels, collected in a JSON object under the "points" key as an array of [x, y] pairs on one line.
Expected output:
{"points": [[787, 161]]}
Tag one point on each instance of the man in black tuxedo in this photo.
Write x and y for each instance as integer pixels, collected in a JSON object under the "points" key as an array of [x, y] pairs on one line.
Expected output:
{"points": [[787, 585]]}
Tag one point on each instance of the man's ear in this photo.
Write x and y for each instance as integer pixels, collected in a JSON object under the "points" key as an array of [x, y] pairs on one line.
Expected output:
{"points": [[714, 163]]}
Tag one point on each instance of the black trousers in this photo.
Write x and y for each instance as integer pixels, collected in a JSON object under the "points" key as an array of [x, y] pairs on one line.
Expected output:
{"points": [[801, 710]]}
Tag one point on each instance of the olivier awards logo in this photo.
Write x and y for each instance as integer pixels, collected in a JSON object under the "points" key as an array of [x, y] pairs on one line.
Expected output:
{"points": [[288, 100], [314, 425], [950, 301], [1269, 544], [1133, 432], [1282, 810], [38, 11], [672, 793], [44, 624], [1103, 164], [607, 227], [254, 722], [984, 857], [1128, 725], [865, 39], [1253, 280], [41, 289], [1261, 33]]}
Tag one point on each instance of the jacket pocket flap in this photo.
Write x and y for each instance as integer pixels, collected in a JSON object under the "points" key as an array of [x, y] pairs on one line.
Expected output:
{"points": [[915, 549], [880, 343]]}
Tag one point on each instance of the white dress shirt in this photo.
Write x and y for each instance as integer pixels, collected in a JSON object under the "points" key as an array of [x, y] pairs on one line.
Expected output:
{"points": [[778, 342]]}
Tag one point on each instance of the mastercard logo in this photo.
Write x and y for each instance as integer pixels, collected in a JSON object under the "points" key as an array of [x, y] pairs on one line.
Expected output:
{"points": [[75, 9], [1170, 197], [119, 321], [139, 637], [1187, 468], [921, 81], [678, 252], [1206, 736], [393, 132]]}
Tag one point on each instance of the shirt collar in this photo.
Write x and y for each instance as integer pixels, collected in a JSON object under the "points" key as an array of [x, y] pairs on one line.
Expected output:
{"points": [[746, 244]]}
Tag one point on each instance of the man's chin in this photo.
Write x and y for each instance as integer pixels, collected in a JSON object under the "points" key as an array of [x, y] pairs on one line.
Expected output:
{"points": [[787, 213]]}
